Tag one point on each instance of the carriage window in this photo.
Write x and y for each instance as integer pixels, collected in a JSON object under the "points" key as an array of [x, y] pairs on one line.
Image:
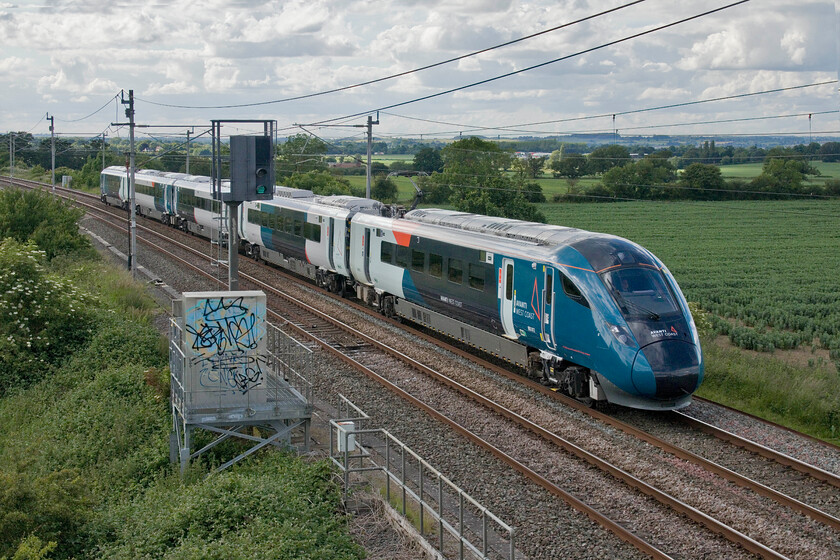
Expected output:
{"points": [[312, 232], [456, 271], [298, 228], [386, 252], [572, 291], [509, 282], [403, 254], [549, 288], [418, 260], [435, 265], [477, 276]]}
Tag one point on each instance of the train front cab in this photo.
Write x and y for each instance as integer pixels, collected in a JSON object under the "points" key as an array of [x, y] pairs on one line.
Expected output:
{"points": [[113, 186], [652, 357]]}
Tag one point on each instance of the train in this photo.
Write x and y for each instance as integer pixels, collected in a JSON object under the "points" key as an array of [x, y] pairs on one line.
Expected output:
{"points": [[593, 315]]}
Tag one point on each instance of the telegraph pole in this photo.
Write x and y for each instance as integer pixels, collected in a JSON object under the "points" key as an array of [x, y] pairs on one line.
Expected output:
{"points": [[370, 123], [52, 149], [11, 154]]}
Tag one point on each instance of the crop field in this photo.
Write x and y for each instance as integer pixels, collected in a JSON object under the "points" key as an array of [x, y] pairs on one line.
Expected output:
{"points": [[767, 271]]}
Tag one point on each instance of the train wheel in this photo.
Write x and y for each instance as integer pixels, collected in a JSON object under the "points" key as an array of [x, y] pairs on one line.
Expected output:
{"points": [[386, 306]]}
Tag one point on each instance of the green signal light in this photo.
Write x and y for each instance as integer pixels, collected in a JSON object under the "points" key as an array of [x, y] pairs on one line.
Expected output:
{"points": [[261, 189]]}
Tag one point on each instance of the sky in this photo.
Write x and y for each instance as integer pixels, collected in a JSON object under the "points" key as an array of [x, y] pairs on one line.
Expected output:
{"points": [[189, 62]]}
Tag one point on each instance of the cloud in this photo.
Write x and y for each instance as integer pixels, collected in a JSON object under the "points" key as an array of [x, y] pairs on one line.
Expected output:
{"points": [[789, 39], [14, 65], [241, 51]]}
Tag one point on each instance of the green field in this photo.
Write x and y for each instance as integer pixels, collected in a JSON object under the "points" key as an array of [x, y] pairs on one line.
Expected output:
{"points": [[749, 171]]}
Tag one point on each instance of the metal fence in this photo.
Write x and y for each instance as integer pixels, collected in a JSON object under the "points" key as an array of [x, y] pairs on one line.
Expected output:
{"points": [[451, 521]]}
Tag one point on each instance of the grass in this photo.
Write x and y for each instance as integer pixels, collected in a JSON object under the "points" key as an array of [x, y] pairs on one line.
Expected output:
{"points": [[802, 398]]}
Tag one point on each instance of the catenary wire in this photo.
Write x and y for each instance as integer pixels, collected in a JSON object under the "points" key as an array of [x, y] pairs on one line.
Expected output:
{"points": [[400, 74], [540, 65]]}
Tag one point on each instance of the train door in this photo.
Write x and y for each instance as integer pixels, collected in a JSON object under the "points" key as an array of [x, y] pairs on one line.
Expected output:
{"points": [[548, 309], [331, 248], [347, 232], [506, 298], [169, 198], [366, 253]]}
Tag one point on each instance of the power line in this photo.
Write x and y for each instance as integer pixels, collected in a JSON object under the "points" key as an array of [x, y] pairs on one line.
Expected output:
{"points": [[515, 127], [400, 74], [540, 65], [92, 114]]}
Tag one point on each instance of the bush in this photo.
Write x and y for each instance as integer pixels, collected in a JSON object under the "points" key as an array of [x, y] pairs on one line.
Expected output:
{"points": [[54, 505], [49, 222], [278, 507], [42, 318]]}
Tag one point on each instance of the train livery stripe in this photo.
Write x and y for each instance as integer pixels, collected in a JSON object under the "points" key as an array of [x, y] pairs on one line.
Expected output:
{"points": [[402, 238]]}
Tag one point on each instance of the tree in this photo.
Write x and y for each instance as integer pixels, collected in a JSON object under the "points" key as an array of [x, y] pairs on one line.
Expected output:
{"points": [[474, 171], [384, 189], [571, 166], [604, 158], [299, 154], [530, 167], [781, 175], [532, 192], [319, 182], [830, 151], [645, 179], [22, 143], [704, 182], [428, 160], [470, 160]]}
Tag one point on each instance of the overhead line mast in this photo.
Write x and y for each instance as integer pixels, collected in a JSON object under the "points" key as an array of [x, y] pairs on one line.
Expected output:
{"points": [[130, 168], [52, 149]]}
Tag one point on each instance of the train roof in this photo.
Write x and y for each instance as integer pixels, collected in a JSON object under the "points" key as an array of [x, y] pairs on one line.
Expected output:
{"points": [[541, 234], [366, 205], [200, 183], [602, 251]]}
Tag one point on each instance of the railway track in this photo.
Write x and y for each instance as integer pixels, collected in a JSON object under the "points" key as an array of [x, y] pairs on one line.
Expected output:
{"points": [[546, 434]]}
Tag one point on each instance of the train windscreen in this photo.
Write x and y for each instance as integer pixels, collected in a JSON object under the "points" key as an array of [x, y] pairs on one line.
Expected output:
{"points": [[640, 292]]}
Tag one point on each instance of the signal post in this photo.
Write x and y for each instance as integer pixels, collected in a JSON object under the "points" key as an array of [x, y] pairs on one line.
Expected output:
{"points": [[251, 170]]}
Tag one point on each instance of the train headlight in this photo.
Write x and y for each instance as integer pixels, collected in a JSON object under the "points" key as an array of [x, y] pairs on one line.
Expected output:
{"points": [[622, 334]]}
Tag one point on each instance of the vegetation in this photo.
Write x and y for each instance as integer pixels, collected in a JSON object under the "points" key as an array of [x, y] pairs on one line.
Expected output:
{"points": [[84, 434], [473, 180], [46, 220]]}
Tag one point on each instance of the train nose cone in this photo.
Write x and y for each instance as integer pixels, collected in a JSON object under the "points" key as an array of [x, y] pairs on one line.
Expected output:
{"points": [[667, 369]]}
